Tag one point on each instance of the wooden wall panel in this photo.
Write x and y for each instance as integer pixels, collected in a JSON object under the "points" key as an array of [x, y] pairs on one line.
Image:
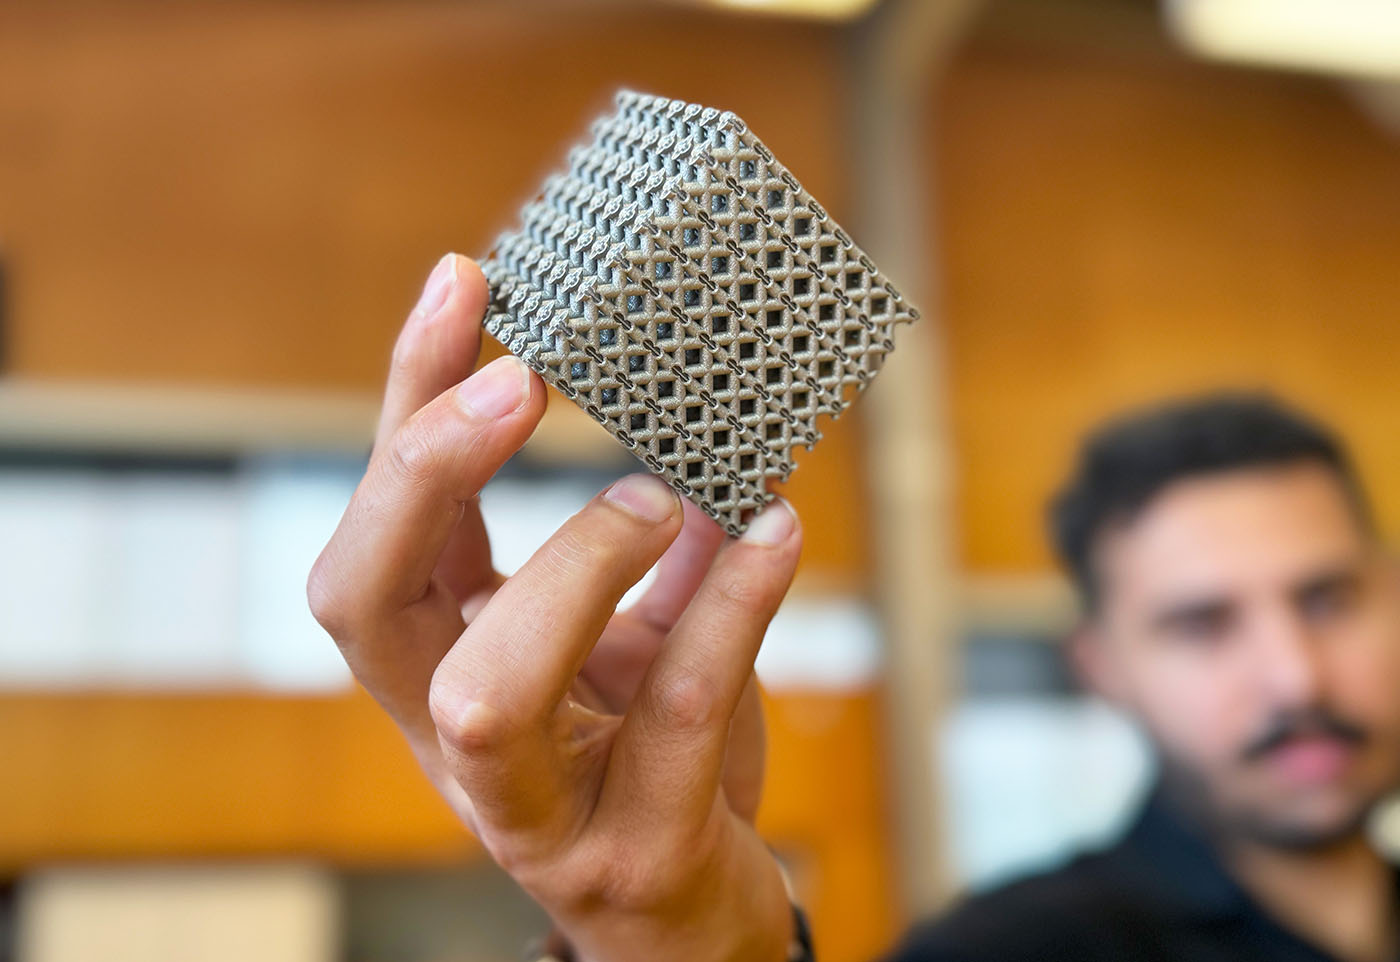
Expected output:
{"points": [[1121, 225], [158, 775], [252, 193]]}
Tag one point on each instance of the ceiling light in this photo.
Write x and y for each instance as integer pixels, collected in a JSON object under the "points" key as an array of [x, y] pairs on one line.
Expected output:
{"points": [[1357, 37], [811, 9]]}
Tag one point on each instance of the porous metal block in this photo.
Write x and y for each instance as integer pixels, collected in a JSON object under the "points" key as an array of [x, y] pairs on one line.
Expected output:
{"points": [[681, 287]]}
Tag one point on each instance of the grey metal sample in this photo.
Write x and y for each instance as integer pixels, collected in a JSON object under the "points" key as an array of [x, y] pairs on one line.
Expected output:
{"points": [[682, 288]]}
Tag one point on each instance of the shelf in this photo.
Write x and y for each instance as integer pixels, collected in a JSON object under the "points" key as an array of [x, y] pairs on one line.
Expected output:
{"points": [[184, 420]]}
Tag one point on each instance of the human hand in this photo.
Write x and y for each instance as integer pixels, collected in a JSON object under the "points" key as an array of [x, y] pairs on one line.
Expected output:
{"points": [[610, 761]]}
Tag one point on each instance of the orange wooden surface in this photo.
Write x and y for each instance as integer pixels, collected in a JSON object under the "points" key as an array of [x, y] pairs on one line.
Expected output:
{"points": [[159, 776], [824, 804], [252, 193], [93, 776], [1122, 224]]}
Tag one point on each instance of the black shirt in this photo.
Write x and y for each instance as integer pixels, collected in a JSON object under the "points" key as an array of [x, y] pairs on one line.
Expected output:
{"points": [[1158, 895]]}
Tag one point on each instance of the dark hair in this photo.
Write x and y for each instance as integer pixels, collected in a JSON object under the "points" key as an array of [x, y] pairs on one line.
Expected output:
{"points": [[1126, 463]]}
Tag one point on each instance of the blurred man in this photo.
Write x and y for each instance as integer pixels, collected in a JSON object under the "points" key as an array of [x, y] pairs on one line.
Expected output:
{"points": [[1239, 606], [1237, 603]]}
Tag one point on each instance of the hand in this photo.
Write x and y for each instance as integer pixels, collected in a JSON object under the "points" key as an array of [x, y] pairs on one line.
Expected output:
{"points": [[610, 761]]}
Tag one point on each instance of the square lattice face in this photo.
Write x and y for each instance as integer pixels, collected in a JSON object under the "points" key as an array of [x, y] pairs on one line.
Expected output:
{"points": [[682, 288]]}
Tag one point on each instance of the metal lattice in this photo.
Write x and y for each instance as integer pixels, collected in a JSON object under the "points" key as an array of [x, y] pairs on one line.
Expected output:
{"points": [[682, 288]]}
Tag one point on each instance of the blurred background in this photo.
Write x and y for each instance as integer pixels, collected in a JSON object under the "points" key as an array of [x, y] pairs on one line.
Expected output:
{"points": [[214, 217]]}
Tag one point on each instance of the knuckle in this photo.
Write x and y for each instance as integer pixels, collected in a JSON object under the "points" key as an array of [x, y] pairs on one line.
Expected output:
{"points": [[325, 599], [413, 452], [518, 860], [572, 551], [739, 590], [471, 727], [686, 700]]}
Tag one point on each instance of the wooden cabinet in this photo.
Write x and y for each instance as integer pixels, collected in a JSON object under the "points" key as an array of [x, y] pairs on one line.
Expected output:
{"points": [[226, 776]]}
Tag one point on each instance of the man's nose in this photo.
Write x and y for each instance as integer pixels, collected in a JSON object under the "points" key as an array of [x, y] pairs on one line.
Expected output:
{"points": [[1289, 660]]}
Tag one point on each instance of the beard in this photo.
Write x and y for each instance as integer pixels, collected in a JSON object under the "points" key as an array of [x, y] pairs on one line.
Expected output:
{"points": [[1272, 824]]}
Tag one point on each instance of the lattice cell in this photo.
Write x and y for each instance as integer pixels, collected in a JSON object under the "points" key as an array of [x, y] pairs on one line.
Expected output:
{"points": [[681, 287]]}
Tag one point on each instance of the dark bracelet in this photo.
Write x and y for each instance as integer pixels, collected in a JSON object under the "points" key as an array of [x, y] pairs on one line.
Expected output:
{"points": [[552, 948], [800, 950]]}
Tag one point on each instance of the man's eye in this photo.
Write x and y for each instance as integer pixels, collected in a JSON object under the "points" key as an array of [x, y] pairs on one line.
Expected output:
{"points": [[1199, 626], [1327, 601]]}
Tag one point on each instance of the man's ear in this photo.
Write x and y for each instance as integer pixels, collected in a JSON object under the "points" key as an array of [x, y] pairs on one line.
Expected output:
{"points": [[1095, 661]]}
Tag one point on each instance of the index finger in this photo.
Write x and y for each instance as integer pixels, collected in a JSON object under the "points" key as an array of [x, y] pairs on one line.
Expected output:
{"points": [[438, 347], [374, 584]]}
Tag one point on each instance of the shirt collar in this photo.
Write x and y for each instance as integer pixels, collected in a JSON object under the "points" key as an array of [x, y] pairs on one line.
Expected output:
{"points": [[1174, 860]]}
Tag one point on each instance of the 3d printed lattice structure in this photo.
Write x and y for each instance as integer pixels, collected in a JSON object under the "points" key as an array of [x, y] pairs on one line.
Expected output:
{"points": [[681, 287]]}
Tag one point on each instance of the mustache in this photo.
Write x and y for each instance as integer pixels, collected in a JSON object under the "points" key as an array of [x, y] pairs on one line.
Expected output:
{"points": [[1302, 723]]}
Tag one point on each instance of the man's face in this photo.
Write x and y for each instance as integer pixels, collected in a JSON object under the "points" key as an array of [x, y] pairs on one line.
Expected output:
{"points": [[1252, 625]]}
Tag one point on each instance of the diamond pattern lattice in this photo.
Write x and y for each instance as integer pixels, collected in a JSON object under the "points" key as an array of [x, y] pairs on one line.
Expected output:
{"points": [[682, 288]]}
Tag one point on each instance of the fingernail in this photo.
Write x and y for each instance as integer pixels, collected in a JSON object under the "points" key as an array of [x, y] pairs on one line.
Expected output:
{"points": [[644, 495], [497, 389], [437, 288], [773, 526]]}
